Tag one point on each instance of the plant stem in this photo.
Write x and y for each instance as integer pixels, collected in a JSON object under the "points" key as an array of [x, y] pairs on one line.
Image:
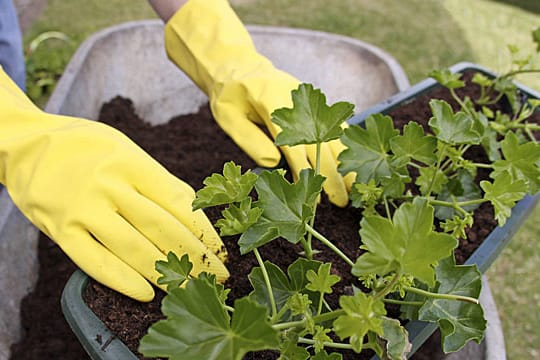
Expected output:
{"points": [[403, 302], [321, 299], [517, 72], [442, 296], [388, 288], [437, 166], [267, 282], [387, 208], [334, 345], [457, 204], [461, 103], [307, 245], [317, 319], [483, 166], [327, 242], [530, 134], [308, 250]]}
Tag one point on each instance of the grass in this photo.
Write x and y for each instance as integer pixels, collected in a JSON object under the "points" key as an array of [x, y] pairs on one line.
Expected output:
{"points": [[421, 35]]}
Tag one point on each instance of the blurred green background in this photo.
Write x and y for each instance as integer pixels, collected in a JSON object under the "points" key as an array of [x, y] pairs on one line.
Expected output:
{"points": [[421, 34]]}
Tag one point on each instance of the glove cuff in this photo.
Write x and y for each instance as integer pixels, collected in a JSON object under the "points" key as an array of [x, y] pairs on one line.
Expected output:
{"points": [[207, 40]]}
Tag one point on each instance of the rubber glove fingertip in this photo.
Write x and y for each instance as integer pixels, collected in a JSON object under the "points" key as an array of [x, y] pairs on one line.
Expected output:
{"points": [[140, 293]]}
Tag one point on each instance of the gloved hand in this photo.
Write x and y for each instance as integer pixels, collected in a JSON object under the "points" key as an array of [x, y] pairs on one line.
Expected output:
{"points": [[111, 207], [209, 43]]}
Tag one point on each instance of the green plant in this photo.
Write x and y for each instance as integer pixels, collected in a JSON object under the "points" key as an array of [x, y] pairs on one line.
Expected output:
{"points": [[409, 230], [46, 57]]}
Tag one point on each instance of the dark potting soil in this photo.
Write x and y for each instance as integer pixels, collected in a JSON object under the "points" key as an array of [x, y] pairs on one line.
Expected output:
{"points": [[192, 147]]}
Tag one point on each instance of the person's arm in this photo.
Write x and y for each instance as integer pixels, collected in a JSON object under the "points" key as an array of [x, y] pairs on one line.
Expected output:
{"points": [[111, 208], [207, 40], [166, 8]]}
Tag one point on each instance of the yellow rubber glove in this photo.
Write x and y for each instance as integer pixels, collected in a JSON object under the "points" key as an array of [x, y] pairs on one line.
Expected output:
{"points": [[111, 207], [210, 44]]}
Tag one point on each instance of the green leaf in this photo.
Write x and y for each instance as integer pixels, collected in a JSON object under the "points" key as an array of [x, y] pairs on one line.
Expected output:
{"points": [[458, 128], [521, 161], [197, 326], [503, 194], [321, 281], [367, 149], [460, 188], [283, 285], [174, 272], [482, 80], [238, 218], [407, 244], [415, 144], [431, 180], [362, 314], [366, 195], [397, 339], [394, 186], [310, 120], [456, 226], [459, 321], [447, 79], [287, 208], [293, 352], [289, 349], [320, 337], [491, 144], [300, 305], [232, 186]]}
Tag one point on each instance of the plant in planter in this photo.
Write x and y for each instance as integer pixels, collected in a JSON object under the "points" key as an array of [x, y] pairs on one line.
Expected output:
{"points": [[417, 194], [394, 206]]}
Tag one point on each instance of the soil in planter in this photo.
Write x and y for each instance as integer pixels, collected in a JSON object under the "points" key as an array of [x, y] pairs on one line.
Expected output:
{"points": [[192, 147]]}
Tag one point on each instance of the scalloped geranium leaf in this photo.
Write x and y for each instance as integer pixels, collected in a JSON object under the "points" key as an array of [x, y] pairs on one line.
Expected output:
{"points": [[283, 285], [363, 313], [367, 149], [521, 161], [459, 321], [174, 271], [232, 186], [431, 180], [448, 79], [238, 218], [503, 194], [310, 120], [397, 339], [197, 326], [286, 208], [415, 144], [321, 281], [460, 188], [407, 244], [450, 127]]}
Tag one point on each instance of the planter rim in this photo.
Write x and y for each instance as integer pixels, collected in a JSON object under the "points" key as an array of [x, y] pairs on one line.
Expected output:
{"points": [[103, 344], [425, 85]]}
